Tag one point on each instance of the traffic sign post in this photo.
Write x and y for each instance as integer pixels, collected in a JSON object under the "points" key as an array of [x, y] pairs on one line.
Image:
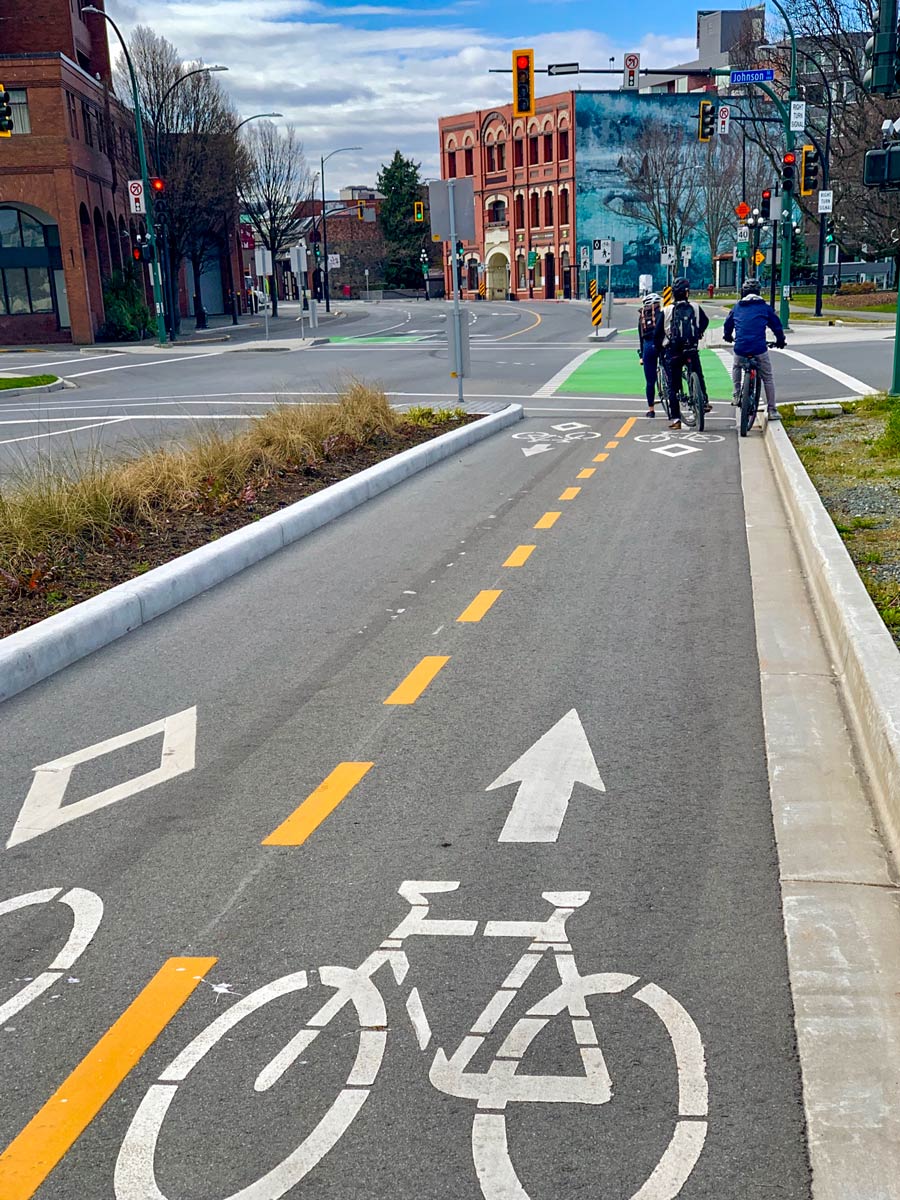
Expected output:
{"points": [[136, 196], [798, 116], [826, 202], [632, 66], [723, 118]]}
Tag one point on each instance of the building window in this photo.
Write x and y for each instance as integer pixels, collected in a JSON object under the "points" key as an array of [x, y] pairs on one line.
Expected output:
{"points": [[535, 210], [24, 291], [520, 212], [548, 208], [470, 165], [73, 114], [564, 207], [497, 211], [501, 156], [563, 144], [533, 158], [548, 147], [491, 155], [87, 119], [472, 275], [451, 164], [519, 152], [18, 102]]}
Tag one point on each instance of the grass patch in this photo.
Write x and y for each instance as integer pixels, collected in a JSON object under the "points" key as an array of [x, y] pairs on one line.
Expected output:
{"points": [[27, 381]]}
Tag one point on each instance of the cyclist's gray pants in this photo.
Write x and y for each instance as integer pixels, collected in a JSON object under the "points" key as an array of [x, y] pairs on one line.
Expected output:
{"points": [[765, 373]]}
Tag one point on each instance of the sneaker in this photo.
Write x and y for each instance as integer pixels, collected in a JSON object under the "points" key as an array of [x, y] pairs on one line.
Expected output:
{"points": [[651, 411], [736, 400], [707, 407], [773, 414], [674, 424]]}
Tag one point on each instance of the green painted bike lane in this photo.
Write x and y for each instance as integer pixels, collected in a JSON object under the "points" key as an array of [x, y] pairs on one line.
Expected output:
{"points": [[619, 373]]}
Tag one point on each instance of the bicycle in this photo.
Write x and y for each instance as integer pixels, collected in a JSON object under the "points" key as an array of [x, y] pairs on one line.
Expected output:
{"points": [[662, 386], [694, 412], [751, 386], [500, 1084]]}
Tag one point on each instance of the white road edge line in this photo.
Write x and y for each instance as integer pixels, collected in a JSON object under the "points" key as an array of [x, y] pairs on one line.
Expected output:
{"points": [[551, 386], [848, 381], [31, 437]]}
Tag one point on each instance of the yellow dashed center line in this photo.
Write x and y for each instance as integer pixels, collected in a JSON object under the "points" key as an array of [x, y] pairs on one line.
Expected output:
{"points": [[307, 817], [570, 493], [586, 473], [611, 445], [626, 428], [519, 556], [418, 679], [479, 606], [30, 1157], [548, 520], [600, 457]]}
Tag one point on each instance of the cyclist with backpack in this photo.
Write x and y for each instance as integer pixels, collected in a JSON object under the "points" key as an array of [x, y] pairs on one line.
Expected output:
{"points": [[679, 328], [647, 345], [746, 326]]}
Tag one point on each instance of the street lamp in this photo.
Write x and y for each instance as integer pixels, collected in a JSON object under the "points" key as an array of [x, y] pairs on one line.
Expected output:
{"points": [[323, 161], [145, 177], [755, 223], [234, 295]]}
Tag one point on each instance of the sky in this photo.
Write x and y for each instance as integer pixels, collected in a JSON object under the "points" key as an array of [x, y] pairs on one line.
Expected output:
{"points": [[379, 75]]}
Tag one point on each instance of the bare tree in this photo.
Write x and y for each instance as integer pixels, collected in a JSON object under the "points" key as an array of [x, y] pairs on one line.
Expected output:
{"points": [[664, 178], [274, 181], [721, 193]]}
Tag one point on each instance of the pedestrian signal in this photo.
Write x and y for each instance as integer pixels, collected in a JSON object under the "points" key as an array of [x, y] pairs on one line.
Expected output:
{"points": [[523, 83], [765, 207], [419, 211], [809, 170], [6, 121], [706, 119]]}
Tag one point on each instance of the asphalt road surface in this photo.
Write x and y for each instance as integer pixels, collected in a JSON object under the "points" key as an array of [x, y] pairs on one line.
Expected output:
{"points": [[494, 739], [126, 402]]}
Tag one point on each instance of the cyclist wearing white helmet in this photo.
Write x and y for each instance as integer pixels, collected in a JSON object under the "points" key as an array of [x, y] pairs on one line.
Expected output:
{"points": [[647, 352]]}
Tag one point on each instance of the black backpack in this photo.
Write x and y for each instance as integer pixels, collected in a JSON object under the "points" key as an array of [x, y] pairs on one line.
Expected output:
{"points": [[683, 331]]}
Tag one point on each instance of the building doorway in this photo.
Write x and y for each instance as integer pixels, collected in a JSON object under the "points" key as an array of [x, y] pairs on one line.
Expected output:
{"points": [[550, 276]]}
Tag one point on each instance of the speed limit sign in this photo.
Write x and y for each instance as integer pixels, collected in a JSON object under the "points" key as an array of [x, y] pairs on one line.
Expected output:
{"points": [[136, 195]]}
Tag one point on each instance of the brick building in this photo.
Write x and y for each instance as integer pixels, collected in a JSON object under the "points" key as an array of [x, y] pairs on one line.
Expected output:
{"points": [[524, 179]]}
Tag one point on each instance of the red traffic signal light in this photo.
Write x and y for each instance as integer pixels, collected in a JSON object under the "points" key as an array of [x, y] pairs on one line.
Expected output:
{"points": [[157, 185], [522, 62], [523, 83], [790, 158], [788, 168], [136, 253], [765, 208]]}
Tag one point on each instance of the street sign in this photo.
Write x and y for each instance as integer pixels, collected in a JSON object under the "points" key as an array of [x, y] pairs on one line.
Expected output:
{"points": [[334, 262], [136, 196], [798, 116], [723, 116], [667, 256], [759, 258], [743, 210], [744, 234], [563, 69], [826, 202], [263, 261], [686, 253], [298, 260], [463, 206], [532, 259], [743, 250], [632, 65], [597, 256], [763, 76], [585, 258]]}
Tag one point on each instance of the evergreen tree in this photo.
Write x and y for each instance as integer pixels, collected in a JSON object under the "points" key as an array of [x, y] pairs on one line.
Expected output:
{"points": [[399, 183]]}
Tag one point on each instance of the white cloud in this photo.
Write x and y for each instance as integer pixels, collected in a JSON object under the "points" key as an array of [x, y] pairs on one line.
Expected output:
{"points": [[384, 88]]}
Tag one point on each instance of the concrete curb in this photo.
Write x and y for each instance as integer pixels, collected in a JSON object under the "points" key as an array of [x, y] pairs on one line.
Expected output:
{"points": [[867, 664], [28, 391], [34, 654]]}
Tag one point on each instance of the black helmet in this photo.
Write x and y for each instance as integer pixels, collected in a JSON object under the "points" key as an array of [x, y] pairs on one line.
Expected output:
{"points": [[751, 287], [680, 289]]}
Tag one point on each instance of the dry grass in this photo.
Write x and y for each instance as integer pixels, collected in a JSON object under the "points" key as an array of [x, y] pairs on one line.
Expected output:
{"points": [[88, 499]]}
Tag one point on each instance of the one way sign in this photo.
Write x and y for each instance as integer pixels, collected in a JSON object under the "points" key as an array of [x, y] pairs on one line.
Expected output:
{"points": [[563, 69]]}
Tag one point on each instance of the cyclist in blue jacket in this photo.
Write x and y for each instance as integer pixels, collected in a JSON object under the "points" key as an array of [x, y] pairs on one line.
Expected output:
{"points": [[746, 326]]}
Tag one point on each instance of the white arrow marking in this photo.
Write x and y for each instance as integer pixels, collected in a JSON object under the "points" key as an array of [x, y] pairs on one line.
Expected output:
{"points": [[538, 449], [547, 773]]}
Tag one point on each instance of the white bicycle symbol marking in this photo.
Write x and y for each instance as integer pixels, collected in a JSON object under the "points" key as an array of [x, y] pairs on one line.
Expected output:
{"points": [[493, 1089], [700, 439], [536, 435]]}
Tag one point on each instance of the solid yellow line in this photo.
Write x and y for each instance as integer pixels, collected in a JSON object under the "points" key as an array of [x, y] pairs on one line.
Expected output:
{"points": [[519, 556], [586, 473], [527, 329], [479, 606], [626, 428], [308, 816], [611, 445], [29, 1158], [570, 493], [548, 520], [600, 457], [418, 679]]}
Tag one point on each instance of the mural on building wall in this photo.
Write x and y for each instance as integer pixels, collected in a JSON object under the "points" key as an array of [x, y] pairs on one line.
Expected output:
{"points": [[614, 130]]}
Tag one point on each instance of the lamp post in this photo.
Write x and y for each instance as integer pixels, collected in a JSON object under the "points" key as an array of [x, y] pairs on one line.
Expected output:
{"points": [[323, 161], [787, 196], [755, 223], [155, 276], [234, 295], [164, 249]]}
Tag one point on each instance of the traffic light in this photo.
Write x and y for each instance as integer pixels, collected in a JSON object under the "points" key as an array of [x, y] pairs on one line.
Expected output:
{"points": [[765, 207], [523, 83], [459, 252], [829, 231], [809, 170], [160, 203], [788, 171], [6, 121], [360, 210], [144, 252], [419, 211], [318, 250], [706, 118], [881, 74]]}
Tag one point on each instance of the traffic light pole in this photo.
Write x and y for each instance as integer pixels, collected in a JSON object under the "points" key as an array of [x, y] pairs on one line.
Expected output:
{"points": [[457, 332]]}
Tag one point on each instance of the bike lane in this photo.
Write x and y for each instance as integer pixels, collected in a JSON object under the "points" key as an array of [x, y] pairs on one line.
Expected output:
{"points": [[627, 612]]}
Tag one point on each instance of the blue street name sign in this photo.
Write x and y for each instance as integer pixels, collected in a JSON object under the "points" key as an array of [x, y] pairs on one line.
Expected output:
{"points": [[765, 76]]}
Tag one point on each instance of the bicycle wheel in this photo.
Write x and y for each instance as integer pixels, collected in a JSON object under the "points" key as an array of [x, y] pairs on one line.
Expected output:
{"points": [[748, 407], [663, 389], [698, 400]]}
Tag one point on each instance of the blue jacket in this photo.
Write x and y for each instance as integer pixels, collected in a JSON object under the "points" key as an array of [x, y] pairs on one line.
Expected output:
{"points": [[747, 323]]}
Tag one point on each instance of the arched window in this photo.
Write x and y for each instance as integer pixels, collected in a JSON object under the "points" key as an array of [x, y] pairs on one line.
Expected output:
{"points": [[535, 209], [497, 211], [564, 207], [520, 212], [519, 152], [548, 208], [521, 276], [501, 156]]}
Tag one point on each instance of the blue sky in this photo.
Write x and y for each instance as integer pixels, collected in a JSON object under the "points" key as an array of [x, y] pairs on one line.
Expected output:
{"points": [[379, 75]]}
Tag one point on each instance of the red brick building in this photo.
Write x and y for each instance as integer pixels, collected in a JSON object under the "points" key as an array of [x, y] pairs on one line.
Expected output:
{"points": [[524, 179]]}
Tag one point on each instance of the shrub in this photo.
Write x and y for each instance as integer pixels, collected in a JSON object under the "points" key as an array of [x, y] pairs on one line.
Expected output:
{"points": [[127, 314], [889, 442], [858, 289]]}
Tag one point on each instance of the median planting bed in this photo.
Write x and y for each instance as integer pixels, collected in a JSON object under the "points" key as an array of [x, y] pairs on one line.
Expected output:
{"points": [[854, 461], [70, 532], [7, 382]]}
